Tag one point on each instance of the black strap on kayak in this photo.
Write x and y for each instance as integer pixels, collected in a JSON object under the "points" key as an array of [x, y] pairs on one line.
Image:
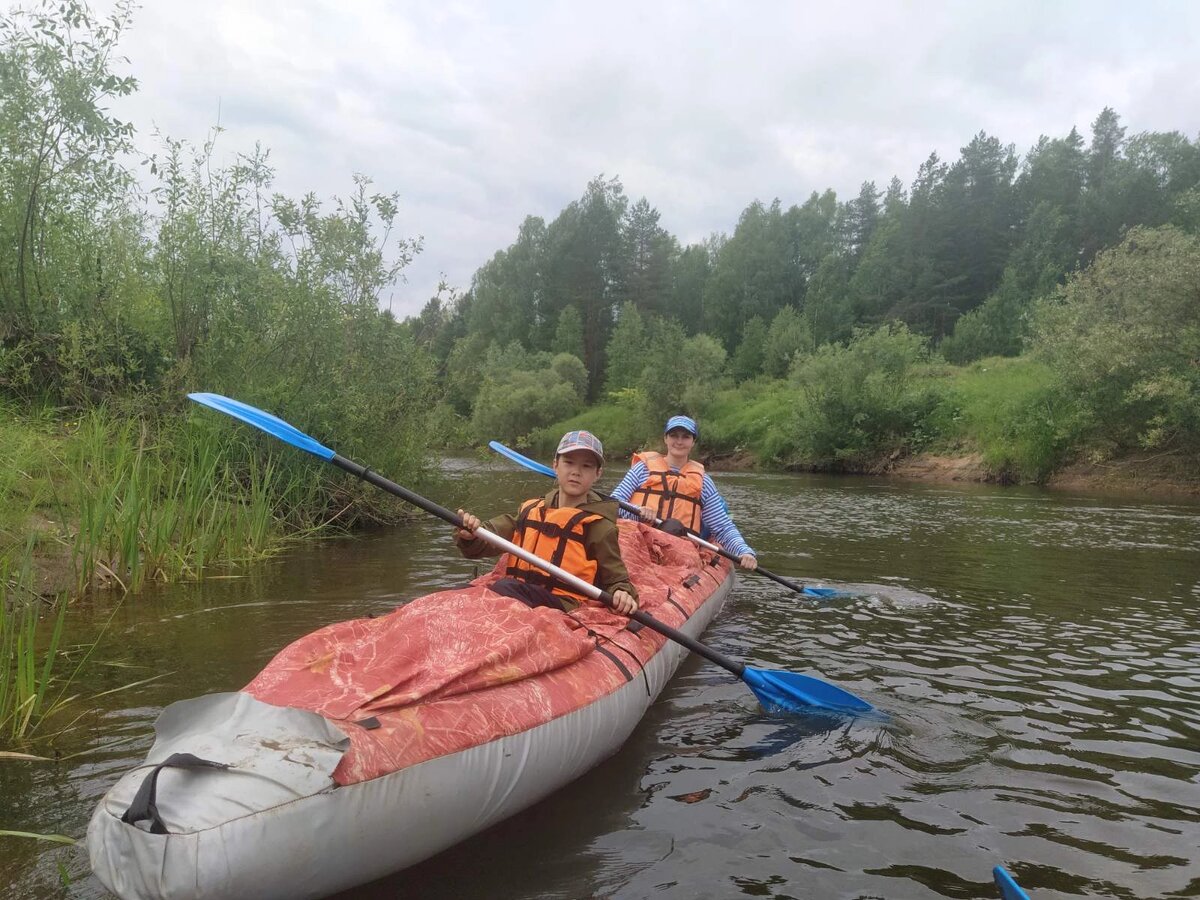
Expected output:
{"points": [[145, 802], [616, 662], [686, 614]]}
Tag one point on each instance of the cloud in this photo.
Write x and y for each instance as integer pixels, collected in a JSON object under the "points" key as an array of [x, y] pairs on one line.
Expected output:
{"points": [[480, 114]]}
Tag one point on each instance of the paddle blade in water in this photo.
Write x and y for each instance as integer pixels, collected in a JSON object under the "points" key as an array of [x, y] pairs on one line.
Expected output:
{"points": [[822, 592], [264, 421], [1009, 889], [792, 692]]}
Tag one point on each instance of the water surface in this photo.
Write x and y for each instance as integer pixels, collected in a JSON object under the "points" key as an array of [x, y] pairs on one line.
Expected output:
{"points": [[1038, 655]]}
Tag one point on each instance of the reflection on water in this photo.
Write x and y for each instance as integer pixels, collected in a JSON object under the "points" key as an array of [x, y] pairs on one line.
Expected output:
{"points": [[1038, 654]]}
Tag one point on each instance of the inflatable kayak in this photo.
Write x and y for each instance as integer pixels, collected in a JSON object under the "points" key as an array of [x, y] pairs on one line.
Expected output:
{"points": [[370, 745]]}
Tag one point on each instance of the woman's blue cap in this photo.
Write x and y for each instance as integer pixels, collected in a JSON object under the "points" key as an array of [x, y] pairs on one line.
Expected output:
{"points": [[683, 422]]}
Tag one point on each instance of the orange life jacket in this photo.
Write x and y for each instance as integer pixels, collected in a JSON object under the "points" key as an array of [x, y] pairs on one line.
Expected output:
{"points": [[673, 495], [556, 535]]}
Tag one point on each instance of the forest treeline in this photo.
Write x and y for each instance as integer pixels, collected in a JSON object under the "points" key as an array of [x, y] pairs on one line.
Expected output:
{"points": [[828, 332], [822, 333]]}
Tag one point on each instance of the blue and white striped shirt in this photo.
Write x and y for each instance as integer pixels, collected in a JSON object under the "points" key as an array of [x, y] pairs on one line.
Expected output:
{"points": [[713, 516]]}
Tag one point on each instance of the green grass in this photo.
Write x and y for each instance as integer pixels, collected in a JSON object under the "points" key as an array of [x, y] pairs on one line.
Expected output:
{"points": [[1012, 412], [1009, 410], [754, 417]]}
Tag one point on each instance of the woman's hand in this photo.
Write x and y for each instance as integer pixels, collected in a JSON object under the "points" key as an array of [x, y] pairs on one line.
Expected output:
{"points": [[624, 603], [748, 561], [646, 514], [470, 524]]}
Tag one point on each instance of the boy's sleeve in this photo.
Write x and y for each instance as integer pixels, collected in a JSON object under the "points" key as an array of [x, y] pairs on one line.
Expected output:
{"points": [[611, 573], [505, 526]]}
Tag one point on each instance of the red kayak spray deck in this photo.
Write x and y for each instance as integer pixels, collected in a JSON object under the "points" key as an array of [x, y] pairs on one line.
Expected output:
{"points": [[462, 667]]}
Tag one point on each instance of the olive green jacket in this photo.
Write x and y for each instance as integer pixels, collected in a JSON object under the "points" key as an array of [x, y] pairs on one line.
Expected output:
{"points": [[599, 541]]}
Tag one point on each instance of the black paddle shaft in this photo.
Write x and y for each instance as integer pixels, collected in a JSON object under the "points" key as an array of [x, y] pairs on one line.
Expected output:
{"points": [[386, 484], [779, 579], [713, 656]]}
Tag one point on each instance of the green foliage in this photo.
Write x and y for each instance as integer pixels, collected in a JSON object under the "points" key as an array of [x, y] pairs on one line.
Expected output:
{"points": [[755, 417], [521, 392], [59, 185], [682, 374], [568, 336], [996, 328], [161, 501], [788, 336], [860, 400], [570, 369], [827, 304], [629, 350], [464, 370], [1123, 336], [754, 273], [1014, 412], [621, 423], [649, 253], [747, 361]]}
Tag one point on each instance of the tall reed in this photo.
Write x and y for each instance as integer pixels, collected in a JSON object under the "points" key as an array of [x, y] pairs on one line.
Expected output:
{"points": [[26, 664], [165, 500]]}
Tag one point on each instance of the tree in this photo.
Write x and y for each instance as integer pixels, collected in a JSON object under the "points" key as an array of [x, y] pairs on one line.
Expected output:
{"points": [[754, 273], [648, 256], [690, 273], [815, 233], [568, 334], [508, 293], [583, 267], [1124, 337], [827, 304], [996, 327], [788, 335], [747, 362], [860, 399], [860, 218], [59, 148], [627, 351]]}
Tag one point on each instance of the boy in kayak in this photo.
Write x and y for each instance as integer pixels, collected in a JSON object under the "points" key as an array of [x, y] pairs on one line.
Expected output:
{"points": [[570, 527]]}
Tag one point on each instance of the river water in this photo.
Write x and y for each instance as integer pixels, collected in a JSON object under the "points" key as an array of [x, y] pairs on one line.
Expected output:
{"points": [[1037, 654]]}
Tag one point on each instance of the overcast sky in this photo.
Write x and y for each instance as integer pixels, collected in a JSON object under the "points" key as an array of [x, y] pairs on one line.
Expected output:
{"points": [[482, 113]]}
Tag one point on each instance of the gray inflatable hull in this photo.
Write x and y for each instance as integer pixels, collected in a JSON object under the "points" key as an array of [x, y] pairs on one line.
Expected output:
{"points": [[274, 825]]}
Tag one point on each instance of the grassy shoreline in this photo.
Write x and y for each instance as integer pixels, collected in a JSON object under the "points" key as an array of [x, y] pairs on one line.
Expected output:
{"points": [[1000, 420], [110, 501]]}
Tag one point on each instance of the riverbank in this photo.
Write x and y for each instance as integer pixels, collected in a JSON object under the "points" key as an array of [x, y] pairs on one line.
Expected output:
{"points": [[1156, 475]]}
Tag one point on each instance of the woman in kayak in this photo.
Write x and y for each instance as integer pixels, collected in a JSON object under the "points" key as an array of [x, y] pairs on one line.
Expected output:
{"points": [[672, 486]]}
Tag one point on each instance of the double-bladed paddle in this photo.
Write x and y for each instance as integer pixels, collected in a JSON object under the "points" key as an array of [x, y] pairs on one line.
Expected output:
{"points": [[777, 691], [806, 590]]}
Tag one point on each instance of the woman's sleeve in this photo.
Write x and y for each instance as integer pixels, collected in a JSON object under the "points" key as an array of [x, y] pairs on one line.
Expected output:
{"points": [[720, 527], [631, 482]]}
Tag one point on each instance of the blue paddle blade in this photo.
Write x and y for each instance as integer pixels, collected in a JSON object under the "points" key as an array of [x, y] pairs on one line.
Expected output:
{"points": [[822, 592], [1009, 889], [791, 692], [264, 421], [521, 459]]}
